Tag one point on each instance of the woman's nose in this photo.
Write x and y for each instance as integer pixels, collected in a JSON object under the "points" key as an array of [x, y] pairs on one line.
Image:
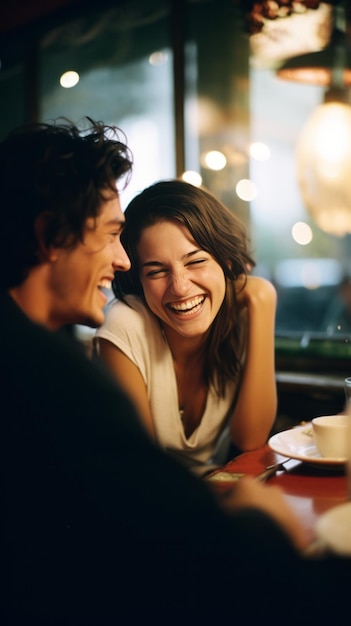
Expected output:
{"points": [[179, 284]]}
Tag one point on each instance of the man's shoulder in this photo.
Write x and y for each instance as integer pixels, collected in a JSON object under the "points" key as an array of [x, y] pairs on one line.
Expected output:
{"points": [[132, 305], [133, 315]]}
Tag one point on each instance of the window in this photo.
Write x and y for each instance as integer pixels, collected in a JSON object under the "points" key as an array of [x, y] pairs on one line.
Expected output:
{"points": [[124, 61], [179, 79]]}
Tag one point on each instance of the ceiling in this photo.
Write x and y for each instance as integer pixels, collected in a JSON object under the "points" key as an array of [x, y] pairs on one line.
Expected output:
{"points": [[16, 14]]}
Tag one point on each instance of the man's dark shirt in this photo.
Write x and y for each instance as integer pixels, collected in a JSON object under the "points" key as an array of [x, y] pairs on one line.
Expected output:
{"points": [[99, 526]]}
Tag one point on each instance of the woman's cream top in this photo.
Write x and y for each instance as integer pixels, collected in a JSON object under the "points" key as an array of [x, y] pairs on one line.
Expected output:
{"points": [[136, 331]]}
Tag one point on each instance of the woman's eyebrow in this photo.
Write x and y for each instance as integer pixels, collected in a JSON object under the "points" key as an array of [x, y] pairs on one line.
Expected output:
{"points": [[185, 256]]}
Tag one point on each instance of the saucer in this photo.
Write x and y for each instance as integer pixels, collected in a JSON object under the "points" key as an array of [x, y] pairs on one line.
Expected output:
{"points": [[333, 528], [298, 443]]}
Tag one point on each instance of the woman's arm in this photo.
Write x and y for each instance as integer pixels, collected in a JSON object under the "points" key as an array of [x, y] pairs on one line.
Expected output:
{"points": [[129, 379], [256, 406]]}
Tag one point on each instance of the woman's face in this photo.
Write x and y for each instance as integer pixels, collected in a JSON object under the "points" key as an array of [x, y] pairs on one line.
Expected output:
{"points": [[183, 285]]}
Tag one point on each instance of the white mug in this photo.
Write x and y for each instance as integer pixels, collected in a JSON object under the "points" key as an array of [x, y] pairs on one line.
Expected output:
{"points": [[347, 389], [348, 461]]}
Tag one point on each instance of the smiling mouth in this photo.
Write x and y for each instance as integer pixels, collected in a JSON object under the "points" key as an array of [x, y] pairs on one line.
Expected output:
{"points": [[105, 284], [185, 308]]}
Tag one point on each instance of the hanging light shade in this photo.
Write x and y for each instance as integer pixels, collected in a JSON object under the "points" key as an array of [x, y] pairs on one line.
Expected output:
{"points": [[323, 160], [316, 68], [323, 151]]}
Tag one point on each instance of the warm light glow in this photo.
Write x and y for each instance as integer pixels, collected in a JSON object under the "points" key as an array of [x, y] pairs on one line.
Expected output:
{"points": [[259, 151], [311, 74], [192, 177], [324, 167], [215, 160], [246, 189], [69, 79], [311, 276], [205, 116], [297, 33], [158, 58], [308, 273], [302, 233]]}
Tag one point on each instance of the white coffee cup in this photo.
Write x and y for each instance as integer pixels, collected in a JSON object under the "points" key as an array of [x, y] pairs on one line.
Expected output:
{"points": [[331, 435], [347, 390]]}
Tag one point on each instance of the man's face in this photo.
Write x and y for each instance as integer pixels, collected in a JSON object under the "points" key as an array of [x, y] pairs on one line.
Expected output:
{"points": [[79, 275]]}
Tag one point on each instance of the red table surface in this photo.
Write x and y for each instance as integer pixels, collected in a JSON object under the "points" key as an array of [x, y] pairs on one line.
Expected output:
{"points": [[310, 489]]}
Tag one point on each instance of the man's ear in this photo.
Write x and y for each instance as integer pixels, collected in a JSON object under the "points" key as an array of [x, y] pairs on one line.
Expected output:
{"points": [[46, 252]]}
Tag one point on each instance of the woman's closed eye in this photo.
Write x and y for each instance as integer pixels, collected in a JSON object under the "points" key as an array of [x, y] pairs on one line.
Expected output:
{"points": [[161, 271], [156, 272], [197, 262]]}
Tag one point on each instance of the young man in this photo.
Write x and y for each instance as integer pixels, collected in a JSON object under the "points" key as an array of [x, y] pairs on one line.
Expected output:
{"points": [[61, 236], [98, 526]]}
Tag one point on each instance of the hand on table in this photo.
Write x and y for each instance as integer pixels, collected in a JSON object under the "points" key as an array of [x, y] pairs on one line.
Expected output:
{"points": [[250, 493]]}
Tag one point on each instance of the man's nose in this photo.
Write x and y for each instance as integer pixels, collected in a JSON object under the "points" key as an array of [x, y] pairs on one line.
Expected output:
{"points": [[121, 261]]}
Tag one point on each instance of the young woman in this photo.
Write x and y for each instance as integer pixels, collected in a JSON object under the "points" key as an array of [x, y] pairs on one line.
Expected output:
{"points": [[190, 336]]}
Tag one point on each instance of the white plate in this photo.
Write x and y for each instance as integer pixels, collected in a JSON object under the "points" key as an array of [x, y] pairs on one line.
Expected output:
{"points": [[333, 529], [297, 443]]}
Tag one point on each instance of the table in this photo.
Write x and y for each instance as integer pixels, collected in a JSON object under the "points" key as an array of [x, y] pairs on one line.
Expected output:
{"points": [[310, 489]]}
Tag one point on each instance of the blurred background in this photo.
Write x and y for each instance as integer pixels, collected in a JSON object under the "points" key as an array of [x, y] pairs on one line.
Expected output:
{"points": [[250, 99]]}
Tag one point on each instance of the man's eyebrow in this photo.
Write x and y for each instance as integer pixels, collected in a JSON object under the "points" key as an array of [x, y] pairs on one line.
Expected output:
{"points": [[184, 257], [116, 222]]}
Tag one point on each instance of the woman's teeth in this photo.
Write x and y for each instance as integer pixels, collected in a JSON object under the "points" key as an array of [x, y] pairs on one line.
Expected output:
{"points": [[186, 307]]}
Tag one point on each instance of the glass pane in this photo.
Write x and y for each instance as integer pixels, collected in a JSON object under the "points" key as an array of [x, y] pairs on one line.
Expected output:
{"points": [[306, 270], [12, 93], [123, 57], [310, 266], [124, 60], [254, 119], [217, 129]]}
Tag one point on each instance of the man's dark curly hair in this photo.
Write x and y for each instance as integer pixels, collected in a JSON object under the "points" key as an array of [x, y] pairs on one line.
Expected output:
{"points": [[62, 171]]}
